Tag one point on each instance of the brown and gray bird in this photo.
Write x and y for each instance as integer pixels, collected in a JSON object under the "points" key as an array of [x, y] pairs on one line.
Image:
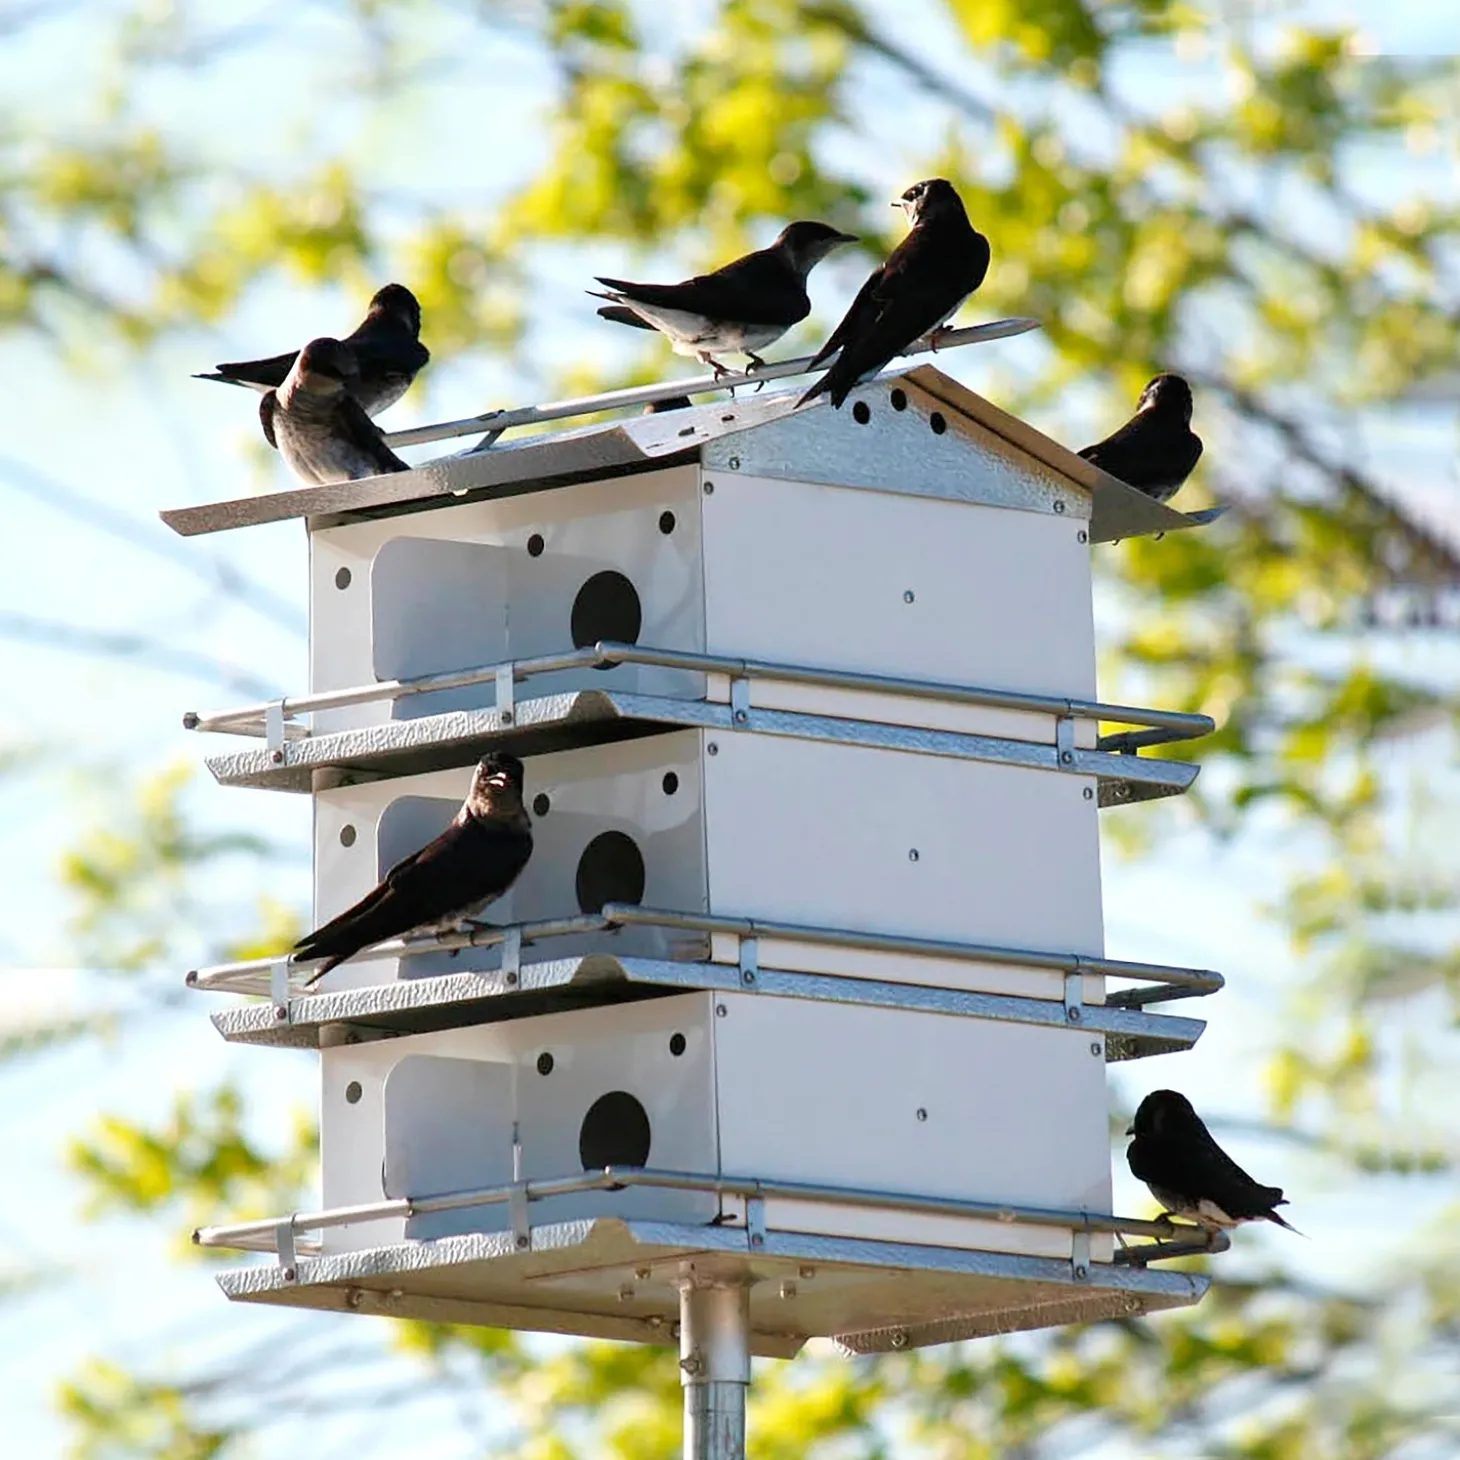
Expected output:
{"points": [[923, 284], [1189, 1173], [742, 308], [318, 426], [471, 864], [1156, 450], [386, 344]]}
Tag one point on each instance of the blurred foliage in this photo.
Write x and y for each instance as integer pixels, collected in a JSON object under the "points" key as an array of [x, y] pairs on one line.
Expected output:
{"points": [[1227, 234]]}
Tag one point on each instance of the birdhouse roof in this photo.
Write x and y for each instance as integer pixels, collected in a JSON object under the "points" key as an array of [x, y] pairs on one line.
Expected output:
{"points": [[914, 430]]}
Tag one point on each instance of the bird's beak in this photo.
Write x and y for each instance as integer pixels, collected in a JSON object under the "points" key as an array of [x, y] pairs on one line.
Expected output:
{"points": [[897, 202], [1130, 1130], [847, 238]]}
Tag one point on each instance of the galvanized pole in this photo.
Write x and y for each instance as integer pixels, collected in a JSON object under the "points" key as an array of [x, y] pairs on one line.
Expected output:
{"points": [[714, 1363]]}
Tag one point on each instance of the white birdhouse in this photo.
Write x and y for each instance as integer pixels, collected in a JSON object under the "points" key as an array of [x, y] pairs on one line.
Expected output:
{"points": [[805, 978]]}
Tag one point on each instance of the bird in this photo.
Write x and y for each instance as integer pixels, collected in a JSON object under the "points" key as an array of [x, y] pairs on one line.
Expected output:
{"points": [[919, 288], [318, 426], [1189, 1173], [386, 343], [744, 307], [1156, 450], [471, 864]]}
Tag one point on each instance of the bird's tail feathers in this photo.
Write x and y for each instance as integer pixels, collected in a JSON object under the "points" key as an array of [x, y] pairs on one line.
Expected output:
{"points": [[227, 380], [324, 968], [621, 314], [820, 388], [1273, 1217]]}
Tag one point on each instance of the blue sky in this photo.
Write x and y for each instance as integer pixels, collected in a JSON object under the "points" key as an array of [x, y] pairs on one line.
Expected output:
{"points": [[140, 436]]}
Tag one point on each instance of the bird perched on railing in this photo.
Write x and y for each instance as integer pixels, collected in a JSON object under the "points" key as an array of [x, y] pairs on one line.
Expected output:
{"points": [[922, 285], [386, 343], [1156, 450], [319, 427], [1189, 1173], [451, 879], [741, 308]]}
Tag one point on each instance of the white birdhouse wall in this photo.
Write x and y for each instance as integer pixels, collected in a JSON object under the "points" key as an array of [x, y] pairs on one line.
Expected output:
{"points": [[710, 561], [750, 825], [725, 1084]]}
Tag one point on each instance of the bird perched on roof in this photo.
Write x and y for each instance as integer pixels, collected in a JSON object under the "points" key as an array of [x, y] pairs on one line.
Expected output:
{"points": [[742, 308], [1156, 450], [319, 427], [1189, 1173], [471, 864], [386, 344], [920, 287]]}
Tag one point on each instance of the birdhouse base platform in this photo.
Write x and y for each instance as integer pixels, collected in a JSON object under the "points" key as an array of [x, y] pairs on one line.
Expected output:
{"points": [[615, 1279]]}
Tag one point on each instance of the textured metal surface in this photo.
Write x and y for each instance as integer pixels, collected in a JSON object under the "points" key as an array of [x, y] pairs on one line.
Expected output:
{"points": [[640, 443], [413, 1006], [613, 1279], [901, 451], [439, 742]]}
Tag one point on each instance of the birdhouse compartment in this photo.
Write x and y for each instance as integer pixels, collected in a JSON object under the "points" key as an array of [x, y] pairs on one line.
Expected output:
{"points": [[735, 824], [715, 562], [787, 1090]]}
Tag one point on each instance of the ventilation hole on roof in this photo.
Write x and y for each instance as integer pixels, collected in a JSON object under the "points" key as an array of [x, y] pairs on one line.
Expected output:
{"points": [[937, 423], [899, 400], [861, 413]]}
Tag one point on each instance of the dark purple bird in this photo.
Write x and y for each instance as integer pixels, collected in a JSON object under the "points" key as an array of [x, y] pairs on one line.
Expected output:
{"points": [[1156, 450], [318, 426], [471, 864], [923, 284], [1189, 1173], [386, 344], [742, 308]]}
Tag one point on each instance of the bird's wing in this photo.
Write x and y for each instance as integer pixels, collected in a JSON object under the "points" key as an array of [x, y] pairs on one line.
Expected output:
{"points": [[268, 404], [760, 288], [469, 863], [263, 373], [863, 308], [1229, 1185], [911, 294], [384, 349], [355, 426], [1146, 454]]}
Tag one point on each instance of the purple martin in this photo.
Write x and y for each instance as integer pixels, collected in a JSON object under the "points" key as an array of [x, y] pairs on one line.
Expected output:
{"points": [[472, 863], [1189, 1173], [916, 292], [744, 307], [386, 344], [319, 428], [1156, 450]]}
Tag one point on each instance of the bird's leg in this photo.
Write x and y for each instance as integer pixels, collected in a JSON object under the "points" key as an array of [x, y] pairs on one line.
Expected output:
{"points": [[935, 335], [720, 370], [756, 363], [465, 925]]}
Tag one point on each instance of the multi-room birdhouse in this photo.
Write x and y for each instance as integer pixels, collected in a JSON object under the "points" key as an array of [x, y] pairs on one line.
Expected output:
{"points": [[804, 984]]}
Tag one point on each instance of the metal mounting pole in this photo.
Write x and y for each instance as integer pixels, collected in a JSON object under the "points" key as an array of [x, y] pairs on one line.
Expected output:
{"points": [[714, 1363]]}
